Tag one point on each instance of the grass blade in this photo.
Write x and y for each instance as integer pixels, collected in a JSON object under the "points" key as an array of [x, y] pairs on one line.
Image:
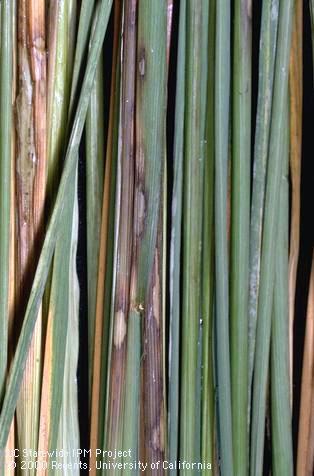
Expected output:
{"points": [[131, 410], [222, 93], [149, 167], [84, 28], [121, 298], [59, 80], [6, 199], [282, 455], [269, 239], [68, 436], [30, 166], [240, 229], [150, 119], [95, 163], [6, 74], [154, 427], [192, 231], [208, 254], [11, 444]]}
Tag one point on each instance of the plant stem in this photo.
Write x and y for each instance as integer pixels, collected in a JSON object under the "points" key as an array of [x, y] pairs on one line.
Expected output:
{"points": [[282, 456], [124, 254], [95, 163], [131, 410], [196, 84], [6, 200], [149, 167], [208, 254], [82, 42], [154, 394], [240, 229], [31, 167], [222, 97], [6, 75]]}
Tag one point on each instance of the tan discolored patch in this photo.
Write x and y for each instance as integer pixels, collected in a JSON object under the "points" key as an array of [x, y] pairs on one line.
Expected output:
{"points": [[38, 58], [119, 329], [39, 44], [158, 437]]}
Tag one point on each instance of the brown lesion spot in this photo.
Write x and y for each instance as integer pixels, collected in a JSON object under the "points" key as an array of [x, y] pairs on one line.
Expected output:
{"points": [[158, 435]]}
